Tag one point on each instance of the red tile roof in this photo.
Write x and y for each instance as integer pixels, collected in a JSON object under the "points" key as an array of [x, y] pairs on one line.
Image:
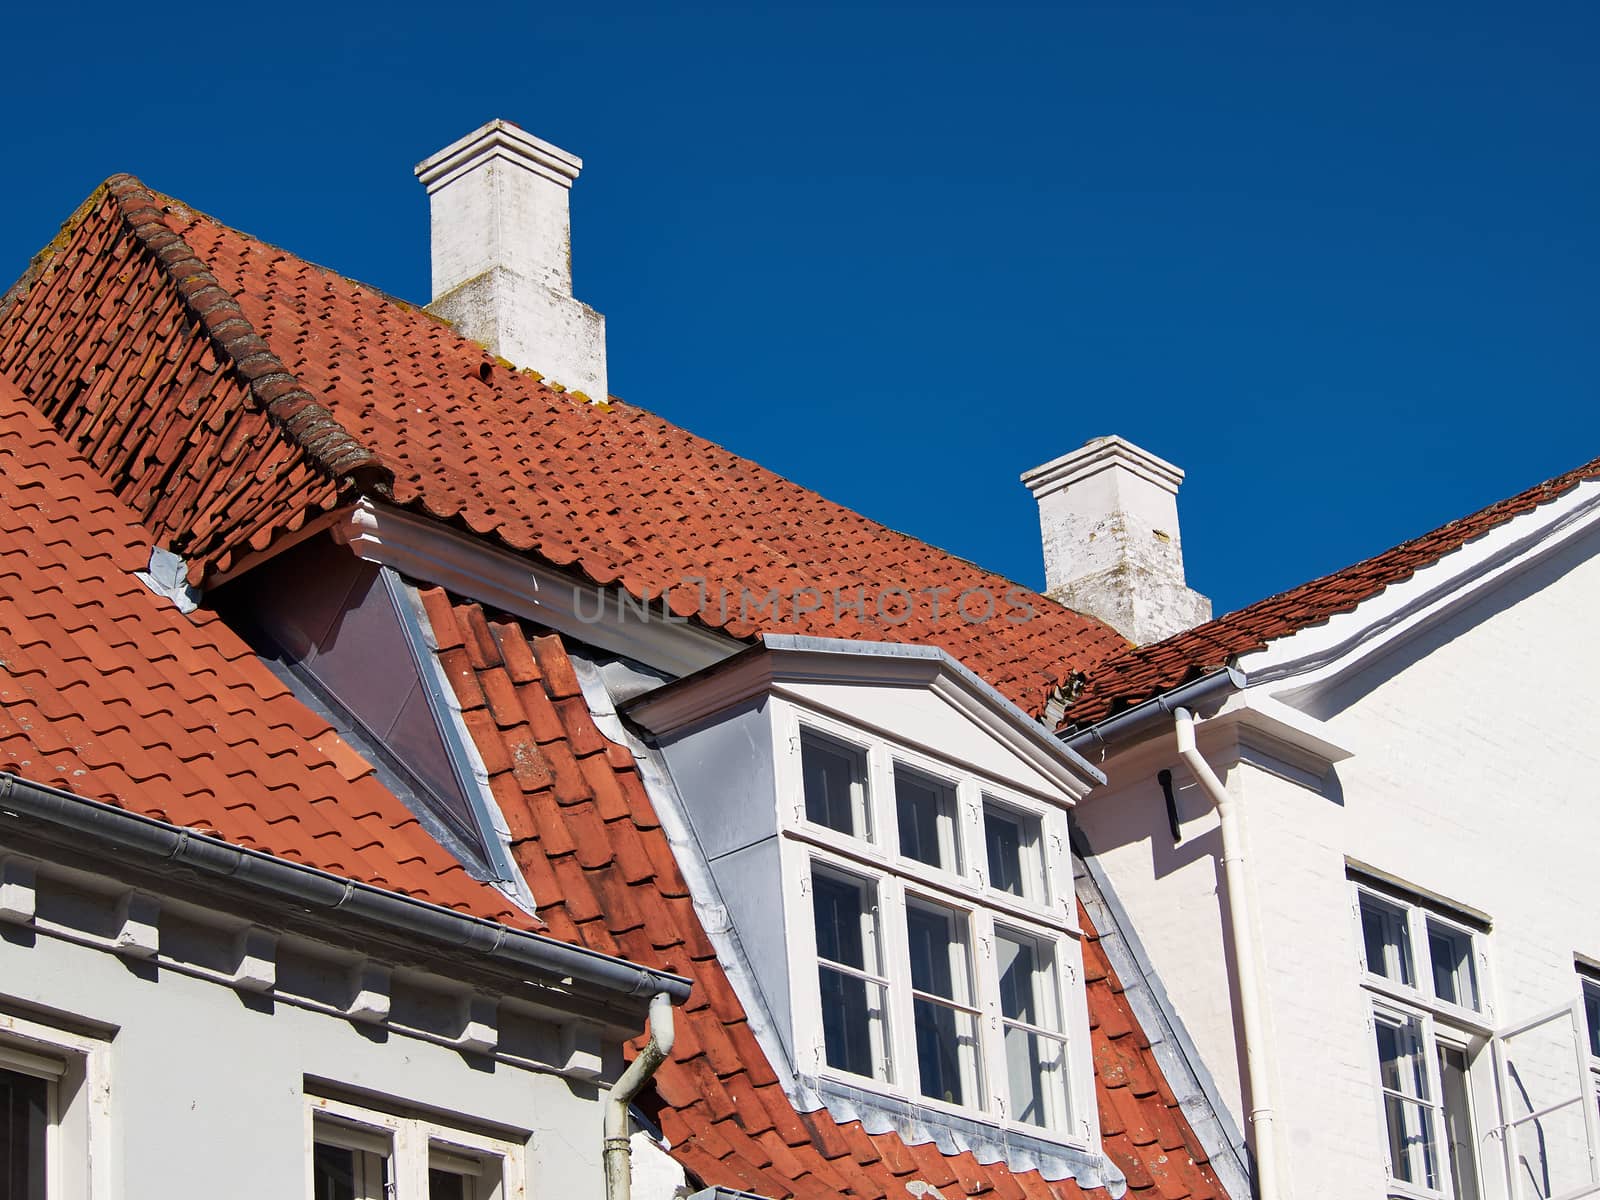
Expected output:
{"points": [[109, 692], [232, 393], [136, 331], [1126, 679], [586, 834]]}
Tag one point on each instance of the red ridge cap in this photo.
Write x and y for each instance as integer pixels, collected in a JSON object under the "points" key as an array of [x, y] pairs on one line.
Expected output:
{"points": [[274, 387], [1123, 680]]}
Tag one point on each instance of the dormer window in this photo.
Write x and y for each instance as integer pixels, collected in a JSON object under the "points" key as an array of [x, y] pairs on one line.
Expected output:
{"points": [[941, 962], [889, 838]]}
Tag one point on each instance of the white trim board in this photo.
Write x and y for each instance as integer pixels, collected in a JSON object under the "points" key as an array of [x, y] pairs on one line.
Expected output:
{"points": [[1318, 655], [786, 659], [427, 550]]}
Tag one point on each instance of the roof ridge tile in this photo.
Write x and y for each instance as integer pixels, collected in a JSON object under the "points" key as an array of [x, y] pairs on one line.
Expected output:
{"points": [[292, 408]]}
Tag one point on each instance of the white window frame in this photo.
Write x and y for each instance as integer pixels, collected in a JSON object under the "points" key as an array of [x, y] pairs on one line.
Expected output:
{"points": [[1438, 1022], [76, 1069], [1049, 919], [1031, 856], [411, 1145], [1589, 986], [1570, 1017]]}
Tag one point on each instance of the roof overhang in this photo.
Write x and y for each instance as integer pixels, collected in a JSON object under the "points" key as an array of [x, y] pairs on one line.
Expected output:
{"points": [[133, 840], [646, 631], [1314, 658], [785, 659]]}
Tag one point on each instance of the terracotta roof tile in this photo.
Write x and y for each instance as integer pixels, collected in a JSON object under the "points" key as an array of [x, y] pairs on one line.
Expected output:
{"points": [[1123, 680], [108, 691], [231, 392], [604, 875], [182, 357]]}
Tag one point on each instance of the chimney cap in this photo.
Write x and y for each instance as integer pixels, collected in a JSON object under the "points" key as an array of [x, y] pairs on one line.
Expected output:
{"points": [[498, 139], [1102, 454]]}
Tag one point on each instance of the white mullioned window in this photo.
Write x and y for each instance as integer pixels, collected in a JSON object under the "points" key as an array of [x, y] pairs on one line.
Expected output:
{"points": [[944, 964], [54, 1128], [1423, 972], [357, 1153]]}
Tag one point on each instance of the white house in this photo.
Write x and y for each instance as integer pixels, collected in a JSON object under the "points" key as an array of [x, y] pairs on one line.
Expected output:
{"points": [[1384, 948], [464, 714], [231, 958]]}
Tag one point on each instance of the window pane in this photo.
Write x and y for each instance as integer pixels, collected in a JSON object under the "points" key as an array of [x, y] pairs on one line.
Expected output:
{"points": [[333, 1173], [1403, 1070], [341, 1173], [1411, 1154], [1591, 1010], [1036, 1067], [1460, 1143], [1450, 952], [938, 952], [854, 1025], [447, 1185], [1017, 969], [927, 818], [1027, 988], [1400, 1062], [1012, 841], [947, 1053], [840, 910], [835, 784], [24, 1117], [947, 1042], [1386, 939]]}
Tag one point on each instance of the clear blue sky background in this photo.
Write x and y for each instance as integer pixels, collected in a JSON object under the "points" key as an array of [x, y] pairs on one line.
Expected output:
{"points": [[1339, 261]]}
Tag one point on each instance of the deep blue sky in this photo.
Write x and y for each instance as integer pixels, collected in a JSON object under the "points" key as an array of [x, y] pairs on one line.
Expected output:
{"points": [[1339, 261]]}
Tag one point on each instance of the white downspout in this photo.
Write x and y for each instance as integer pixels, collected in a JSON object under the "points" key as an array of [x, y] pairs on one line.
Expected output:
{"points": [[1246, 956], [618, 1152]]}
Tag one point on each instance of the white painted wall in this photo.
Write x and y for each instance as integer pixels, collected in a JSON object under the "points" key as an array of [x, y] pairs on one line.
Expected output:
{"points": [[502, 254], [207, 1088], [1476, 776]]}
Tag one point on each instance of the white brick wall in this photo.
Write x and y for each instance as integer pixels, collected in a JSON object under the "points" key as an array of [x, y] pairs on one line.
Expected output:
{"points": [[1476, 776]]}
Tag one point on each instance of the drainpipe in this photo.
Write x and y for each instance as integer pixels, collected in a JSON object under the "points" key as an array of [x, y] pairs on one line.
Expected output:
{"points": [[1246, 960], [618, 1152]]}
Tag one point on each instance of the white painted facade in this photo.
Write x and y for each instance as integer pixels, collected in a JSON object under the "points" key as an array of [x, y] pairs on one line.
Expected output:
{"points": [[1443, 744], [193, 1044]]}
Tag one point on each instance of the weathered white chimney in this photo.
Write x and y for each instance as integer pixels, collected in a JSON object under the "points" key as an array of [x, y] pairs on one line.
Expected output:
{"points": [[502, 254], [1108, 514]]}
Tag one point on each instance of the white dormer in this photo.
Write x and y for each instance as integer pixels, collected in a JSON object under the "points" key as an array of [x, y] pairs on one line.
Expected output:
{"points": [[889, 834]]}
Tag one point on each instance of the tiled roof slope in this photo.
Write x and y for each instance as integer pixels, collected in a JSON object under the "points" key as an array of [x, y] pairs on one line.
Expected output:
{"points": [[612, 492], [109, 692], [122, 336], [1126, 679], [586, 834]]}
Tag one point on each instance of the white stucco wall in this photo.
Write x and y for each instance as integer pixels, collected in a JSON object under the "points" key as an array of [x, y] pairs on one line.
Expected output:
{"points": [[1475, 776], [207, 1087]]}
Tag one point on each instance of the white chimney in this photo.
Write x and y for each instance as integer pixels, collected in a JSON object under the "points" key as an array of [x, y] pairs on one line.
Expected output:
{"points": [[502, 254], [1108, 514]]}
